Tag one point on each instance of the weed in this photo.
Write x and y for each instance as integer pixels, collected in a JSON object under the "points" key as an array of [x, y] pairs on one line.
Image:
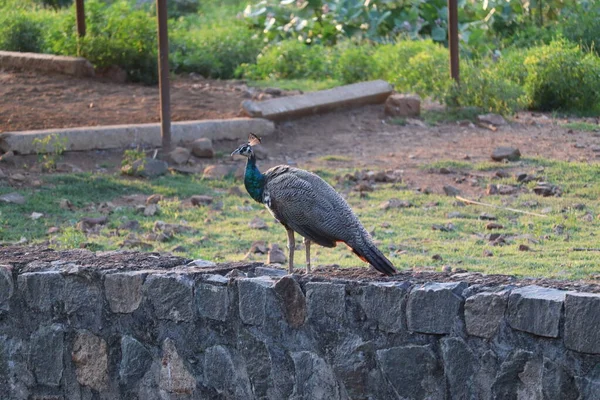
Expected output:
{"points": [[50, 149], [582, 126], [134, 162], [398, 121]]}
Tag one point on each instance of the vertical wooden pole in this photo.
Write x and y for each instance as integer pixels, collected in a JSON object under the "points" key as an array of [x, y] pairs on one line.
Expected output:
{"points": [[80, 12], [453, 39], [163, 75]]}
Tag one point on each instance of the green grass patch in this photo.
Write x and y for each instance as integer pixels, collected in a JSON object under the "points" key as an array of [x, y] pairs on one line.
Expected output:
{"points": [[221, 233], [582, 126], [451, 114], [305, 85]]}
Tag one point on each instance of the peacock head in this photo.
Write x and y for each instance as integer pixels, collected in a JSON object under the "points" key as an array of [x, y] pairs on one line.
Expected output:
{"points": [[246, 149]]}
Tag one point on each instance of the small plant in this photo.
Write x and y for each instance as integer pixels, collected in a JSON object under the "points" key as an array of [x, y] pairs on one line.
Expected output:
{"points": [[50, 150], [134, 162]]}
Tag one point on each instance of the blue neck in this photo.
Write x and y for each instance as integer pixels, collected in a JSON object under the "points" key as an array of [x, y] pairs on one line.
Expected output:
{"points": [[254, 180]]}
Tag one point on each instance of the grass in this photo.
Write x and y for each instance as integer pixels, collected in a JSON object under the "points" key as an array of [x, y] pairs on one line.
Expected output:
{"points": [[404, 234], [305, 85], [582, 126], [435, 117]]}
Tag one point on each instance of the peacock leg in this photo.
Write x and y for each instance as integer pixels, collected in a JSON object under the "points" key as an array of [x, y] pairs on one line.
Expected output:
{"points": [[307, 246], [291, 247]]}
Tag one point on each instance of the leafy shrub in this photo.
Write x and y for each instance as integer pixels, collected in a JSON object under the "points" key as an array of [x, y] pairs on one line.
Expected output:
{"points": [[21, 31], [414, 66], [581, 25], [291, 59], [212, 51], [354, 64], [117, 34], [561, 76], [482, 87], [55, 4]]}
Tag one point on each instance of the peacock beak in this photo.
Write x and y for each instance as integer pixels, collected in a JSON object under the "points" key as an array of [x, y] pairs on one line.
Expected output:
{"points": [[236, 151]]}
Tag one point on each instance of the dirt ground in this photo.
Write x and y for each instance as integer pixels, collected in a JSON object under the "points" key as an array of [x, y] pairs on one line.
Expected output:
{"points": [[363, 136]]}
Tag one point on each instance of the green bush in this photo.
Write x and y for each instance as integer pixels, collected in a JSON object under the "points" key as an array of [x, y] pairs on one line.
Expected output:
{"points": [[21, 31], [481, 86], [354, 64], [117, 34], [414, 66], [561, 76], [213, 51], [581, 25], [291, 59]]}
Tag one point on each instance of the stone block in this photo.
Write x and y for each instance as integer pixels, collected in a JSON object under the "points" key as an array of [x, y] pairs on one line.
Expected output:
{"points": [[7, 287], [293, 301], [507, 380], [421, 378], [46, 355], [536, 310], [171, 296], [91, 360], [203, 148], [174, 376], [226, 373], [403, 105], [326, 302], [384, 303], [557, 382], [212, 301], [433, 307], [83, 302], [282, 108], [582, 322], [135, 361], [123, 290], [273, 272], [314, 378], [484, 313], [253, 299], [42, 290], [460, 367]]}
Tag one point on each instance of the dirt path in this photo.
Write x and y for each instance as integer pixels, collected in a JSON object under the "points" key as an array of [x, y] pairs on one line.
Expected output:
{"points": [[362, 137]]}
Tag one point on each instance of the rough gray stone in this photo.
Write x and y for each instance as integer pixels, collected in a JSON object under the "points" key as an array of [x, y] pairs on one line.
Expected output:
{"points": [[557, 383], [42, 290], [529, 388], [253, 298], [494, 119], [506, 153], [203, 148], [582, 322], [179, 155], [258, 362], [91, 360], [460, 366], [484, 313], [507, 380], [170, 296], [15, 198], [46, 355], [590, 384], [315, 379], [485, 376], [212, 301], [123, 291], [226, 374], [422, 378], [135, 360], [536, 310], [384, 303], [150, 168], [326, 302], [293, 301], [174, 376], [7, 287], [273, 272], [433, 307], [83, 302], [403, 105]]}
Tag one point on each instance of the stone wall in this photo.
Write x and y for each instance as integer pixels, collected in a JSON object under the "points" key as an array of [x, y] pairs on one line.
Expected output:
{"points": [[71, 331]]}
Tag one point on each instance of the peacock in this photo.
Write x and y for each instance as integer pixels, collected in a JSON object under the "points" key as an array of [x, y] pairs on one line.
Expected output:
{"points": [[304, 203]]}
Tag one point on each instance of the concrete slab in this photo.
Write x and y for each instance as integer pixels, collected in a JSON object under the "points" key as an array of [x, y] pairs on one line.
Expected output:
{"points": [[372, 92], [124, 136], [76, 66]]}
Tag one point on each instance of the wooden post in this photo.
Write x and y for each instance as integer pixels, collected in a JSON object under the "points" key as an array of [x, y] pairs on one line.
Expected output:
{"points": [[80, 12], [453, 39], [163, 75]]}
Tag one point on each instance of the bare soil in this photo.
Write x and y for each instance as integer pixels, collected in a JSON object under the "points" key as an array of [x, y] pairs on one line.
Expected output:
{"points": [[364, 138]]}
